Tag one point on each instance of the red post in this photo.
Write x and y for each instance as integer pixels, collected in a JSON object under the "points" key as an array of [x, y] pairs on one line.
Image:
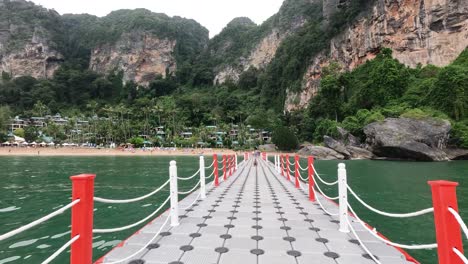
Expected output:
{"points": [[310, 164], [233, 164], [224, 167], [448, 232], [287, 168], [282, 165], [82, 219], [230, 165], [215, 168], [296, 170]]}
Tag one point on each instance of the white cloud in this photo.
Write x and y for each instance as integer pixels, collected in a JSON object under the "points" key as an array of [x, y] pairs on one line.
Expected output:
{"points": [[213, 14]]}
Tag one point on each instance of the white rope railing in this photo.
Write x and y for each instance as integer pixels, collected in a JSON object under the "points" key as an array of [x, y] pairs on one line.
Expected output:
{"points": [[60, 250], [323, 193], [193, 202], [212, 164], [303, 179], [112, 230], [460, 255], [38, 221], [322, 180], [405, 215], [191, 190], [190, 177], [361, 243], [374, 234], [211, 175], [145, 246], [110, 201], [459, 220], [321, 205], [300, 167]]}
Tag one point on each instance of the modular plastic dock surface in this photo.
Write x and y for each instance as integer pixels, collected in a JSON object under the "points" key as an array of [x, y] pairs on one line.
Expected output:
{"points": [[256, 216]]}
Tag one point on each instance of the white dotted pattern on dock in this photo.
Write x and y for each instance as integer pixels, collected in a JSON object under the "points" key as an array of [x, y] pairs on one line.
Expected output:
{"points": [[255, 217]]}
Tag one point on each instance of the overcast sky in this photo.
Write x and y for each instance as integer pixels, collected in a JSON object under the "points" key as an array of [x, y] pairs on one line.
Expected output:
{"points": [[213, 14]]}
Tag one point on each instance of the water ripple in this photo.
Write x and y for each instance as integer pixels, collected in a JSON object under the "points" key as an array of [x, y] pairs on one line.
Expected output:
{"points": [[9, 209]]}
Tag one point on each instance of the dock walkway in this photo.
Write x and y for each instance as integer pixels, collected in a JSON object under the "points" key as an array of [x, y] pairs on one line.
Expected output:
{"points": [[256, 216]]}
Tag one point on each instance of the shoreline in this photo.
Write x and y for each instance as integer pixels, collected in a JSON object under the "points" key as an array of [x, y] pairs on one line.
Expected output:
{"points": [[88, 152]]}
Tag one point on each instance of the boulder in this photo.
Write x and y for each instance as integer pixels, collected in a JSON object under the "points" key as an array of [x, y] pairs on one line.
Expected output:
{"points": [[267, 147], [320, 153], [359, 153], [457, 154], [336, 146], [347, 138], [410, 139]]}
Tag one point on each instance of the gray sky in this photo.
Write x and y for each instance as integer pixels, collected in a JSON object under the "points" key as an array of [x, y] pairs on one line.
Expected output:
{"points": [[213, 14]]}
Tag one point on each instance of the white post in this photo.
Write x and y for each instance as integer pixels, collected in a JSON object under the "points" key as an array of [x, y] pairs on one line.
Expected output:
{"points": [[236, 160], [277, 163], [174, 194], [343, 193], [202, 178]]}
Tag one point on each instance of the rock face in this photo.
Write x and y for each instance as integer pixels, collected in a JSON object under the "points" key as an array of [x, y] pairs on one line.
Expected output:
{"points": [[457, 154], [259, 58], [419, 32], [141, 56], [26, 47], [336, 146], [320, 153], [410, 139], [359, 153]]}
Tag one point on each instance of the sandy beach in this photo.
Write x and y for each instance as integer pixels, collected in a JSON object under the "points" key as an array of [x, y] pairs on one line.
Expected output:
{"points": [[12, 151]]}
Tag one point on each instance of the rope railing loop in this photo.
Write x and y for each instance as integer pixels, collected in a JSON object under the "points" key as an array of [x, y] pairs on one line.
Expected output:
{"points": [[211, 175], [459, 220], [38, 221], [361, 243], [374, 234], [301, 168], [145, 246], [302, 178], [316, 174], [460, 255], [405, 215], [112, 230], [190, 177], [60, 250], [111, 201], [212, 164], [193, 202], [326, 196], [191, 190], [323, 207]]}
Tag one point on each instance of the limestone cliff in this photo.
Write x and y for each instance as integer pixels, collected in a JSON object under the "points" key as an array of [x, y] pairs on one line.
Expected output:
{"points": [[262, 42], [140, 55], [259, 57], [418, 31], [26, 46]]}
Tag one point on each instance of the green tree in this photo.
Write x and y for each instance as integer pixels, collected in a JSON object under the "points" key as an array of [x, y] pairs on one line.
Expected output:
{"points": [[285, 139], [31, 133], [450, 91], [5, 117], [19, 132]]}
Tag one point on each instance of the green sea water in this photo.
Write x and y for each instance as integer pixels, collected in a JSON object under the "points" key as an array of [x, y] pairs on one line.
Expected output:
{"points": [[31, 187]]}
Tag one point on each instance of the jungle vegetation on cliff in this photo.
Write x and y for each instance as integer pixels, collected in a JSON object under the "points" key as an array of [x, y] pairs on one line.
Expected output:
{"points": [[380, 88]]}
